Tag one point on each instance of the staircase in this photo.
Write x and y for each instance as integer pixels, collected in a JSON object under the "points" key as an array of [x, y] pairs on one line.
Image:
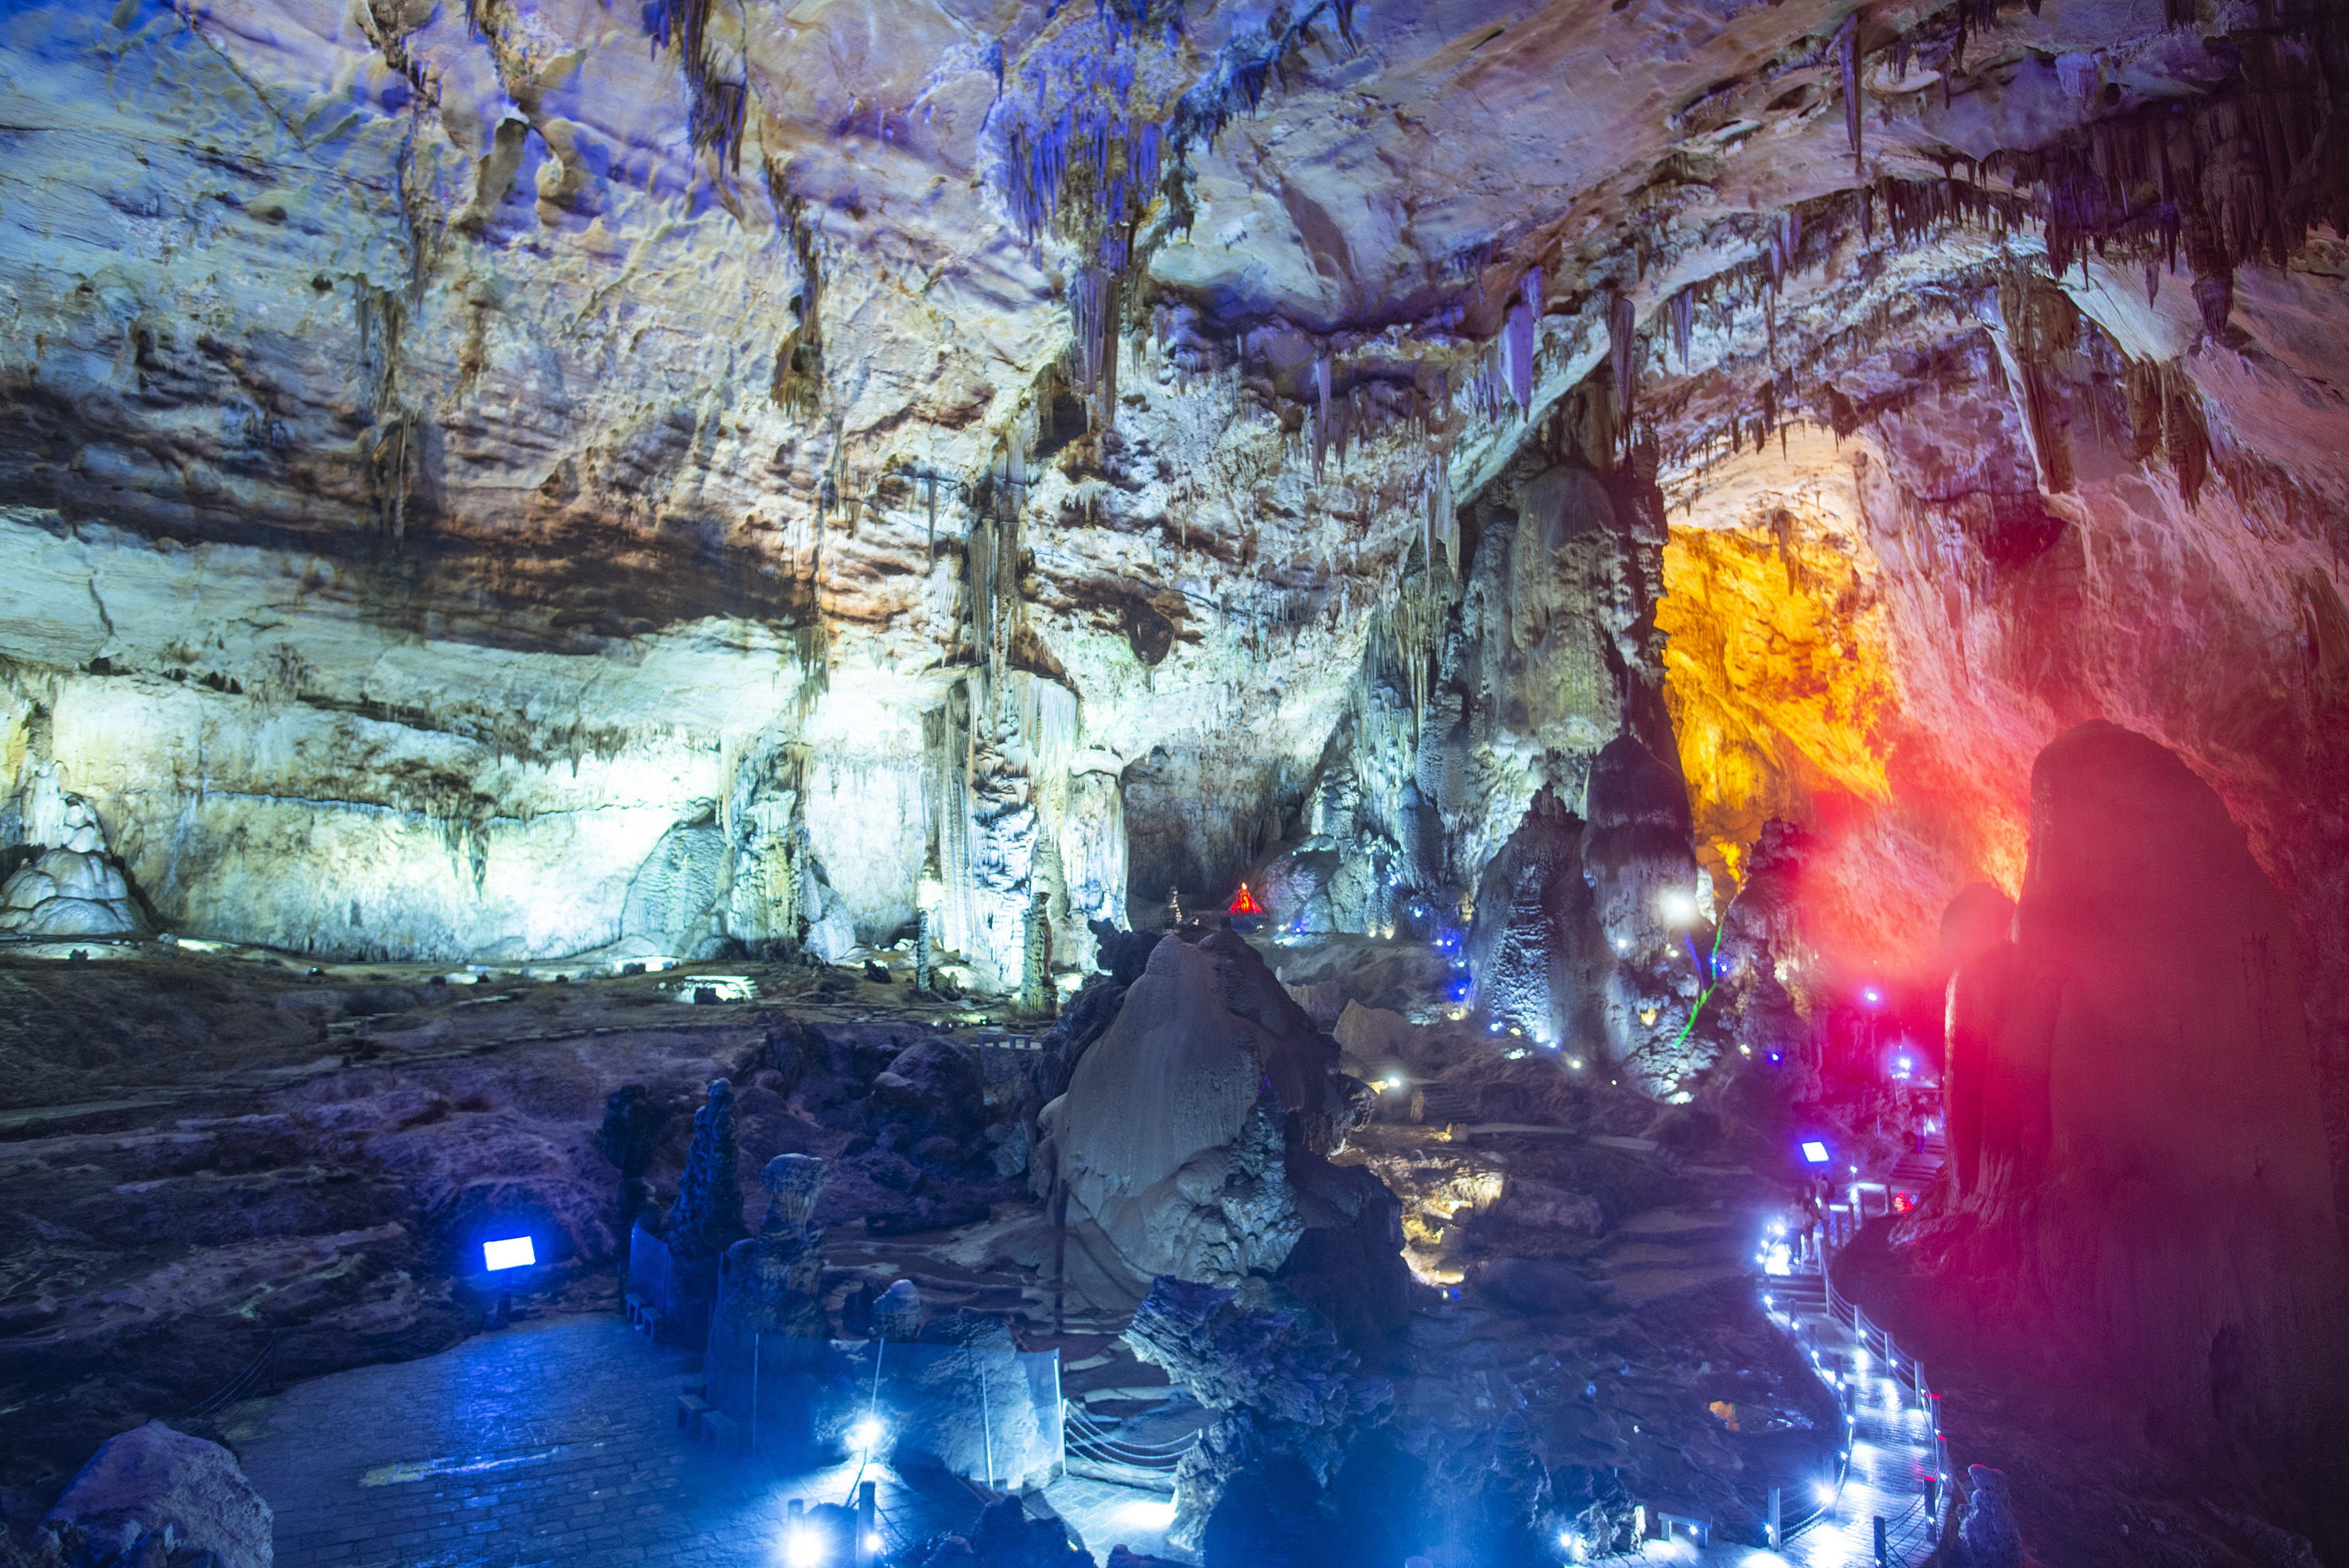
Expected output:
{"points": [[1915, 1172]]}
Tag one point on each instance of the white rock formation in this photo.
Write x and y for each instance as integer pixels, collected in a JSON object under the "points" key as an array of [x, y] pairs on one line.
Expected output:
{"points": [[73, 889]]}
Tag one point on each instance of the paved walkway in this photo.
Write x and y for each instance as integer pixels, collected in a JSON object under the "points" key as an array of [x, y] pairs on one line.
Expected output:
{"points": [[556, 1442], [1894, 1451]]}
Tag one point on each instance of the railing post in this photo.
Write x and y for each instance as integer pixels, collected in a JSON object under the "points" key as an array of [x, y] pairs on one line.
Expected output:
{"points": [[868, 1535], [1777, 1519], [1883, 1554]]}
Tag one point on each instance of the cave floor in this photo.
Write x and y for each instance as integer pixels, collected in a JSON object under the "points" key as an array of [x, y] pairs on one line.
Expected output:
{"points": [[554, 1441]]}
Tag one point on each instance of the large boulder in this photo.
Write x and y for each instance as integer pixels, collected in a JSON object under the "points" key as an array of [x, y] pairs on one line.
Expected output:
{"points": [[156, 1481], [935, 1088], [2139, 1167], [1196, 1131]]}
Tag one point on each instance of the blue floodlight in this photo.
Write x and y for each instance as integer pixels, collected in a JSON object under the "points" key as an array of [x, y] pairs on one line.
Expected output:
{"points": [[1815, 1151], [511, 1253]]}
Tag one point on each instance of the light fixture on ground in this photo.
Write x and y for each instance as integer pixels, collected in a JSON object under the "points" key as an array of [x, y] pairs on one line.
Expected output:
{"points": [[513, 1252], [867, 1435]]}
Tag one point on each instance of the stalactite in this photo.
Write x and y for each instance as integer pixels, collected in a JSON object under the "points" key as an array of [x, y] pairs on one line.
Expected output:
{"points": [[714, 108], [1846, 52], [1517, 355], [1321, 374], [1622, 345], [2165, 415], [797, 384], [1443, 520], [2215, 173], [1683, 318]]}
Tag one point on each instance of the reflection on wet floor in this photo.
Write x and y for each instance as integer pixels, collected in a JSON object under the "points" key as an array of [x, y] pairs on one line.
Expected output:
{"points": [[556, 1442]]}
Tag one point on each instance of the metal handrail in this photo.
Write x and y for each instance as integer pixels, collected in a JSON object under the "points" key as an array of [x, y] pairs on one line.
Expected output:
{"points": [[1085, 1418], [1090, 1439], [238, 1386]]}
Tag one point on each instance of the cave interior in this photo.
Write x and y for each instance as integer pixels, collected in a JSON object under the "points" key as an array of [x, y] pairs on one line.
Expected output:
{"points": [[1238, 781]]}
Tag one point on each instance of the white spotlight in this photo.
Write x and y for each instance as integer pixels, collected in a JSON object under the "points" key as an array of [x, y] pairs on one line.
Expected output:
{"points": [[1146, 1515], [1680, 908], [513, 1253]]}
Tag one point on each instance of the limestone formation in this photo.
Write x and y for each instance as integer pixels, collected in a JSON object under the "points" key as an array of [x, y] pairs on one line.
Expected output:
{"points": [[793, 1182], [897, 1315], [1174, 1133], [1592, 511], [707, 1216], [1651, 912], [1278, 1378], [1536, 950], [2138, 1164], [1988, 1537], [74, 887]]}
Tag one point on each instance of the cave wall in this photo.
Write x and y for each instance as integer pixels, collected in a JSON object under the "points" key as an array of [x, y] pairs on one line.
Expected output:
{"points": [[443, 447], [2138, 1175], [1874, 634]]}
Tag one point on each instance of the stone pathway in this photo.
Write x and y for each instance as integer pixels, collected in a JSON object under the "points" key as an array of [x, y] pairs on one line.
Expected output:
{"points": [[556, 1442], [1893, 1453]]}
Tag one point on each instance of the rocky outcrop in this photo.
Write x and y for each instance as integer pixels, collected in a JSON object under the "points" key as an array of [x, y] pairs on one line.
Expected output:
{"points": [[1982, 1533], [1764, 968], [1196, 1132], [1595, 938], [1497, 673], [707, 1216], [1005, 1536], [1285, 1393], [158, 1497], [2138, 1166]]}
